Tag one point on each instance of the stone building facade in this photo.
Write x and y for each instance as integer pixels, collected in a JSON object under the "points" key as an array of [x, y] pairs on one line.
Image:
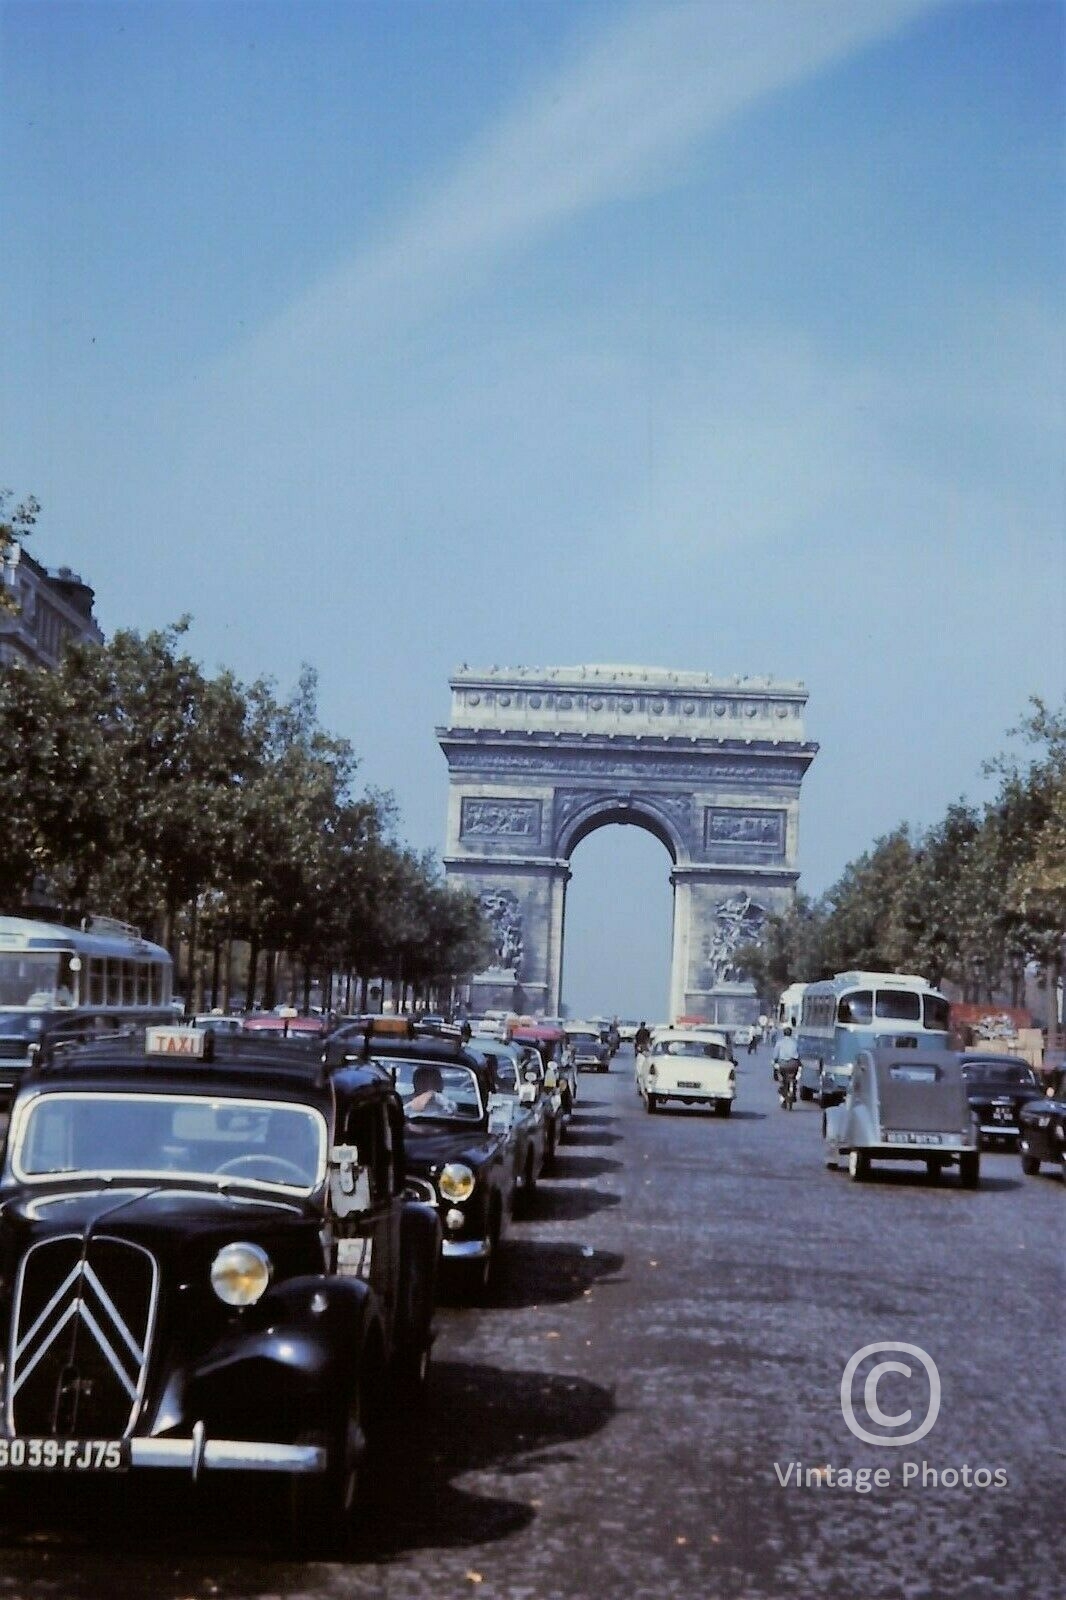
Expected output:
{"points": [[539, 758], [53, 608]]}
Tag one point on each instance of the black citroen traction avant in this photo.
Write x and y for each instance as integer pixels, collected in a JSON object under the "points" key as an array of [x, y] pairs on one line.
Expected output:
{"points": [[208, 1262]]}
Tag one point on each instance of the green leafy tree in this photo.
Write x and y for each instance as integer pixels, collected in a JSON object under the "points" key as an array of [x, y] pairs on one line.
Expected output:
{"points": [[16, 523]]}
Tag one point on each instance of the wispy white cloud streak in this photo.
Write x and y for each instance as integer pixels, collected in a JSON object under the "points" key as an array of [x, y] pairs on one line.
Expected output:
{"points": [[617, 121]]}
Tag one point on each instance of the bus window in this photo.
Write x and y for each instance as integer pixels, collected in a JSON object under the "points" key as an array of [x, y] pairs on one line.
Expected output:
{"points": [[142, 983], [899, 1005], [96, 989], [858, 1006], [114, 981], [156, 973], [936, 1012], [129, 983]]}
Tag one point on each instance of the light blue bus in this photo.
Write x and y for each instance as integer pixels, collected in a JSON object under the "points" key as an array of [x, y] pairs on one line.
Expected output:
{"points": [[56, 979], [856, 1011]]}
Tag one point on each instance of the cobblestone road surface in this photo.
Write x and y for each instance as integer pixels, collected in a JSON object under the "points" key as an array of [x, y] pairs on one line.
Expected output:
{"points": [[669, 1334]]}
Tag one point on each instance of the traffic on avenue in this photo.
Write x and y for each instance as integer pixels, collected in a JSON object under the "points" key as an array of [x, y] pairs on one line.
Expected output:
{"points": [[415, 1309]]}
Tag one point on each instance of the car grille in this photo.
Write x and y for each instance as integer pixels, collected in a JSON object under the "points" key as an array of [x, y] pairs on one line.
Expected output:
{"points": [[13, 1049], [81, 1333]]}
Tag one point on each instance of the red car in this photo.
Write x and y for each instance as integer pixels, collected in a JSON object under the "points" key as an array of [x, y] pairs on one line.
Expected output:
{"points": [[270, 1022]]}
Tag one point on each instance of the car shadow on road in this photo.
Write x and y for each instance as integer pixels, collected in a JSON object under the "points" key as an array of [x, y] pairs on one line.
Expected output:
{"points": [[477, 1418], [225, 1539], [572, 1164], [590, 1133], [910, 1178], [535, 1272], [700, 1113], [567, 1203]]}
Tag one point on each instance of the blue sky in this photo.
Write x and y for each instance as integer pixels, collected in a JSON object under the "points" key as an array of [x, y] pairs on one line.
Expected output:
{"points": [[722, 335]]}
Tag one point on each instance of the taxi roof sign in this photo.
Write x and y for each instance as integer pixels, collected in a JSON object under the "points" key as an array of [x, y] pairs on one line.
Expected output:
{"points": [[193, 1044]]}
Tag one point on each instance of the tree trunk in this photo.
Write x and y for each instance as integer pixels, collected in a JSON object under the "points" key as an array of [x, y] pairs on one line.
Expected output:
{"points": [[216, 963], [269, 981], [192, 998], [307, 987], [253, 972], [227, 975]]}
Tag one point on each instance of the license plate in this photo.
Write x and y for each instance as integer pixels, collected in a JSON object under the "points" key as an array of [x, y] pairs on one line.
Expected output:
{"points": [[64, 1455], [1002, 1113], [687, 1083], [914, 1138]]}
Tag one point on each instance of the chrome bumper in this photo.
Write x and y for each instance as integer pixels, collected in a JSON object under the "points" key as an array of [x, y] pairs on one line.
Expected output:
{"points": [[226, 1455]]}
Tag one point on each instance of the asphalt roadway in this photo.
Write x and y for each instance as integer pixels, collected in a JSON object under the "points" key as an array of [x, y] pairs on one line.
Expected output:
{"points": [[669, 1333]]}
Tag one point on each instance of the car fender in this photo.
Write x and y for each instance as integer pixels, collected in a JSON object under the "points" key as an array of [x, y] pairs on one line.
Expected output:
{"points": [[279, 1370], [835, 1125], [862, 1126]]}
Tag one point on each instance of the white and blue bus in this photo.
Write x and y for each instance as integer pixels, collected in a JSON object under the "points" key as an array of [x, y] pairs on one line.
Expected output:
{"points": [[55, 979], [788, 1006], [856, 1011]]}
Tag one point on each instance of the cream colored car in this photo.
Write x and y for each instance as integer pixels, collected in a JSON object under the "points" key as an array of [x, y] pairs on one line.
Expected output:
{"points": [[693, 1067]]}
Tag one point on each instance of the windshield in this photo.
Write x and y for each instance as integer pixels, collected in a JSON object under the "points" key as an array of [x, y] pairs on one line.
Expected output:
{"points": [[429, 1089], [1010, 1074], [36, 978], [913, 1072], [583, 1038], [692, 1047], [937, 1012], [856, 1006], [899, 1005], [171, 1136]]}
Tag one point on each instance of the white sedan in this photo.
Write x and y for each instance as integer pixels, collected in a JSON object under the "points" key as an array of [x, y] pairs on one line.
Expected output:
{"points": [[693, 1067]]}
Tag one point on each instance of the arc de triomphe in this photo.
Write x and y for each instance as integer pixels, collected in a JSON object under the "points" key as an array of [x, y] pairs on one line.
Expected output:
{"points": [[540, 757]]}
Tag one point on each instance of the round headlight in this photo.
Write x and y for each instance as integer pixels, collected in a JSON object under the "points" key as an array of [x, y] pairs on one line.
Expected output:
{"points": [[240, 1274], [456, 1181]]}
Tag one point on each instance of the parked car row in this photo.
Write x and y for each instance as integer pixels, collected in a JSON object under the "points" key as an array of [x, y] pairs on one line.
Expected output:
{"points": [[220, 1251]]}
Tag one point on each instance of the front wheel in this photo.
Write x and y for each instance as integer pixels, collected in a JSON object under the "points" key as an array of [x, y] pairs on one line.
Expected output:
{"points": [[1030, 1164], [321, 1504]]}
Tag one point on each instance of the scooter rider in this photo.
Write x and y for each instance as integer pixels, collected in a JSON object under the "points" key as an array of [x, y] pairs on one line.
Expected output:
{"points": [[785, 1062]]}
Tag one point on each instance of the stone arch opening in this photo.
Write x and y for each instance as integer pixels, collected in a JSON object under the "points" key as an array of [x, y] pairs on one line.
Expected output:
{"points": [[618, 924], [626, 811]]}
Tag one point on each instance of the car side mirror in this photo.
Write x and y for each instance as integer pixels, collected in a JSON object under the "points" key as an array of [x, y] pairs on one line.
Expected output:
{"points": [[501, 1112], [349, 1183]]}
